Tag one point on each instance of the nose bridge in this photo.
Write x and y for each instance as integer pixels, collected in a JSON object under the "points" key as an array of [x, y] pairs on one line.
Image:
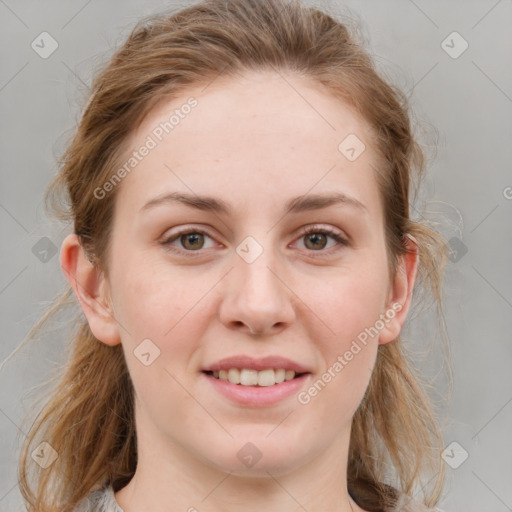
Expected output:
{"points": [[257, 298], [257, 264]]}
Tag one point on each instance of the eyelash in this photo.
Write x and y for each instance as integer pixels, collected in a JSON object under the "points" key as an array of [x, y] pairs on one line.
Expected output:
{"points": [[307, 231]]}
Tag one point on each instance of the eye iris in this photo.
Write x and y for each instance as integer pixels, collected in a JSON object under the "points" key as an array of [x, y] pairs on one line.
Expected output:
{"points": [[315, 237], [193, 238]]}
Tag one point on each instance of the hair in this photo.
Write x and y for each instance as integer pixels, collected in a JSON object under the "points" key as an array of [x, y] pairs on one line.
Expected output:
{"points": [[88, 418]]}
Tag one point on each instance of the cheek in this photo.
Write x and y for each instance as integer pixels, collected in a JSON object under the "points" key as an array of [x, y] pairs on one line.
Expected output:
{"points": [[346, 302], [346, 312], [164, 306], [153, 297], [348, 348], [157, 303]]}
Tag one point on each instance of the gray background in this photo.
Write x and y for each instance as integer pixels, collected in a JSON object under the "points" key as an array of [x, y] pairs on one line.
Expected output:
{"points": [[469, 101]]}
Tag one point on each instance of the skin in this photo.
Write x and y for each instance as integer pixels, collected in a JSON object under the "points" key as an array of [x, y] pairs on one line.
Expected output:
{"points": [[255, 143]]}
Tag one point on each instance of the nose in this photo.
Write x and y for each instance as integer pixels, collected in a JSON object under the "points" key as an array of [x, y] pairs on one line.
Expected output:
{"points": [[257, 300]]}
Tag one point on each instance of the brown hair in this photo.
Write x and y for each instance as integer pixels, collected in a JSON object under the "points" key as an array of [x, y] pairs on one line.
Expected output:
{"points": [[89, 417]]}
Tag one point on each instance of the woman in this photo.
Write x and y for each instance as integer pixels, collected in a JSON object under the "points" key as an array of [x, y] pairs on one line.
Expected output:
{"points": [[244, 259]]}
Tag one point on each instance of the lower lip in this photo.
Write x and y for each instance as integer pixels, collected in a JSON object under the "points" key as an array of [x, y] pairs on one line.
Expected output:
{"points": [[258, 396]]}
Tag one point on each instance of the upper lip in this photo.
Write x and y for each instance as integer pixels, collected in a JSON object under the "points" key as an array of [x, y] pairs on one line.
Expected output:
{"points": [[252, 363]]}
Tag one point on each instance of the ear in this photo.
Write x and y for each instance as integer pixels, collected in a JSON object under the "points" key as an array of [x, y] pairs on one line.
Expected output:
{"points": [[91, 289], [400, 294]]}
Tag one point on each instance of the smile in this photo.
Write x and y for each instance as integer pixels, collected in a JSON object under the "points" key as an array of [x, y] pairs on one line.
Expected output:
{"points": [[269, 393], [249, 377]]}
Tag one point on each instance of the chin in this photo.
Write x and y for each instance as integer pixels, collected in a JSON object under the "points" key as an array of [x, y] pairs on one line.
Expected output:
{"points": [[258, 456]]}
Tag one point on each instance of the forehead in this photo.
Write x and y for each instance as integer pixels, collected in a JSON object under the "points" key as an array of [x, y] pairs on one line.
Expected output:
{"points": [[261, 136]]}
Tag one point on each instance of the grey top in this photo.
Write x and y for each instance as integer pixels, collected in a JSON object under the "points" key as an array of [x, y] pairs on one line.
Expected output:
{"points": [[103, 500]]}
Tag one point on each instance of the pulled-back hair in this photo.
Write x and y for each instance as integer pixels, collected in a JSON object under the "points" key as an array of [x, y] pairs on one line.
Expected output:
{"points": [[89, 416]]}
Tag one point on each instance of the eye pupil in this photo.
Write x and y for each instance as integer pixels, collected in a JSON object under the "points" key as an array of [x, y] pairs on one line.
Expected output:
{"points": [[315, 237], [193, 238]]}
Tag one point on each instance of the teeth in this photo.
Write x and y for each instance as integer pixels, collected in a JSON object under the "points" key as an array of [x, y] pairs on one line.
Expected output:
{"points": [[280, 375], [234, 375], [266, 378], [289, 375], [247, 377]]}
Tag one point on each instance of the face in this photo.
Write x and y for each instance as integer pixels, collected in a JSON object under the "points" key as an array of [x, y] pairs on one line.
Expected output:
{"points": [[234, 282]]}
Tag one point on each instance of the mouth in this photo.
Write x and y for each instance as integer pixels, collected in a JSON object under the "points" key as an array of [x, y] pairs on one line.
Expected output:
{"points": [[256, 382], [256, 378]]}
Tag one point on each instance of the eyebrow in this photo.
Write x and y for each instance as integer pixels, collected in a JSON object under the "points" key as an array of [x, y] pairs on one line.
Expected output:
{"points": [[295, 205]]}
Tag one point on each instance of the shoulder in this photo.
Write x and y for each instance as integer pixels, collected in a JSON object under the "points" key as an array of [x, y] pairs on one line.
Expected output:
{"points": [[407, 504], [101, 500]]}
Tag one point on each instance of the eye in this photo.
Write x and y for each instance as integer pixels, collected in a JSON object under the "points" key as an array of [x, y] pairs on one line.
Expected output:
{"points": [[191, 240], [316, 239]]}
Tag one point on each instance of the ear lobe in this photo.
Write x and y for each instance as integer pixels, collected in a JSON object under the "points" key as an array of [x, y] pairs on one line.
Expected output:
{"points": [[91, 289], [400, 296]]}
